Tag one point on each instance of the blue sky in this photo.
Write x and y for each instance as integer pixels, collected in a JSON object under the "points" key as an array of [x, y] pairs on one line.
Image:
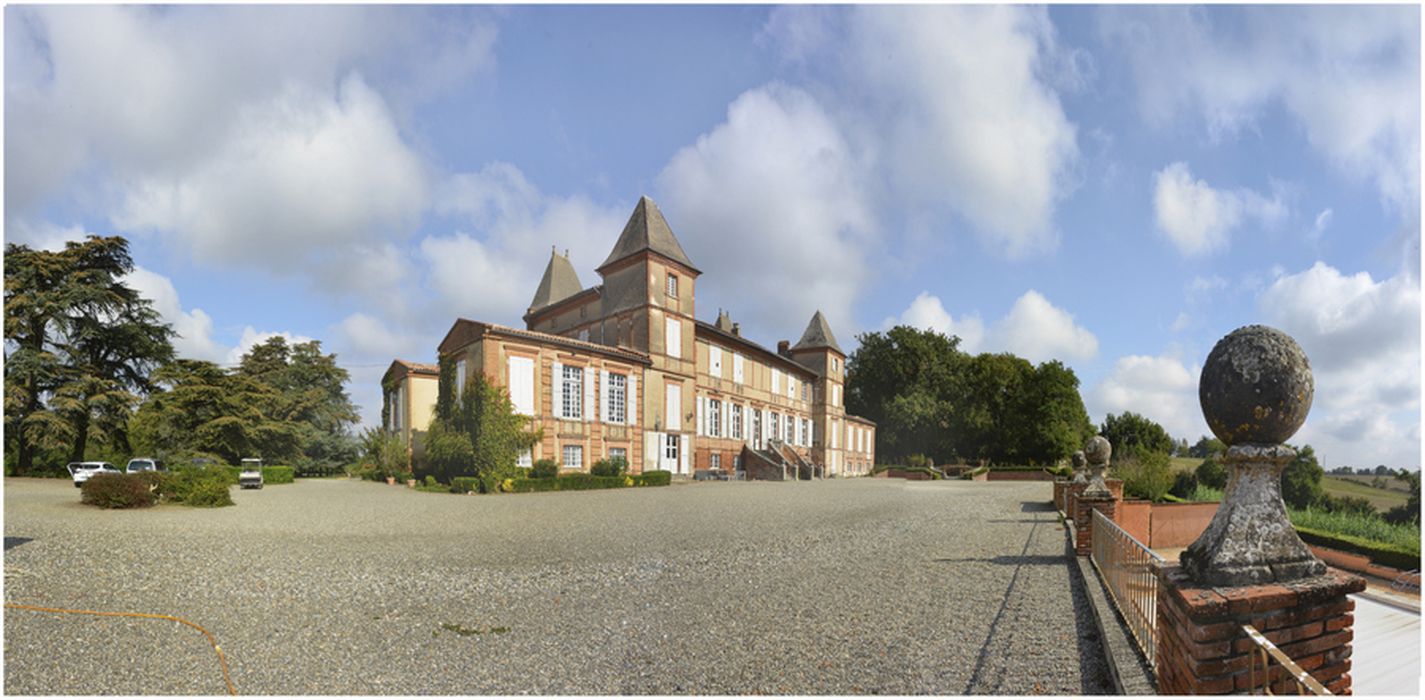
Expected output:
{"points": [[1116, 187]]}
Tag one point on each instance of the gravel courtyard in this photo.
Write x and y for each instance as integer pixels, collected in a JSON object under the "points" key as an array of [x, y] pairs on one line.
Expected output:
{"points": [[344, 587]]}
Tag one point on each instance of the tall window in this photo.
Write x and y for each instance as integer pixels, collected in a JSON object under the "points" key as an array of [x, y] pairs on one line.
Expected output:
{"points": [[736, 421], [670, 448], [619, 453], [716, 462], [714, 418], [573, 456], [573, 393], [459, 379], [618, 398], [773, 428], [757, 428], [524, 459], [672, 285]]}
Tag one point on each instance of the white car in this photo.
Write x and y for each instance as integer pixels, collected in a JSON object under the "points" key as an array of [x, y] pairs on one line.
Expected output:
{"points": [[143, 464], [251, 475], [81, 471]]}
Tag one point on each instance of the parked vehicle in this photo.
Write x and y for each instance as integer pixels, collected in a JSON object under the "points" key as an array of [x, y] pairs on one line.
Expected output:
{"points": [[81, 471], [144, 464], [251, 475]]}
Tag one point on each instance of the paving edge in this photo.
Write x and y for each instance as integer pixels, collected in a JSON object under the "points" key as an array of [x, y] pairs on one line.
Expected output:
{"points": [[1128, 669]]}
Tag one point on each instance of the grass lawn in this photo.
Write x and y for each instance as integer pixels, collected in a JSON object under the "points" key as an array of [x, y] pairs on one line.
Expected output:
{"points": [[1391, 483], [1185, 464], [1382, 499]]}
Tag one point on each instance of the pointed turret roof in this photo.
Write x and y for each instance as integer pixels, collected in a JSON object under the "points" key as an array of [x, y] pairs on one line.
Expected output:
{"points": [[560, 282], [817, 335], [648, 230]]}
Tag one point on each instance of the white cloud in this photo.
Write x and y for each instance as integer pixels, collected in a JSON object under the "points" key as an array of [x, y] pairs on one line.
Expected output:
{"points": [[1363, 340], [193, 329], [1197, 218], [771, 200], [927, 312], [1158, 387], [1039, 331], [492, 273], [43, 235], [952, 104], [251, 336], [1349, 75], [1034, 329], [296, 177]]}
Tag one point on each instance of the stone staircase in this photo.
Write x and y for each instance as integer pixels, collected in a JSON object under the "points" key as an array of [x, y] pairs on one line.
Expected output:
{"points": [[777, 462]]}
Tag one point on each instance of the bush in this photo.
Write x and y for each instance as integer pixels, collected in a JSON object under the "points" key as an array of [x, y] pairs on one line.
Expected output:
{"points": [[1147, 475], [1184, 484], [1366, 528], [1392, 555], [1211, 474], [544, 469], [1347, 504], [614, 466], [918, 460], [464, 484], [278, 475], [116, 491], [657, 477], [586, 482], [204, 488]]}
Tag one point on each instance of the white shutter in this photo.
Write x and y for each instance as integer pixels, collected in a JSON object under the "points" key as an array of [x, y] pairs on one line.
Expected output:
{"points": [[701, 427], [673, 406], [652, 450], [604, 399], [631, 402], [673, 337], [683, 454], [715, 361], [589, 376], [522, 384], [776, 381], [747, 423], [737, 368], [556, 390]]}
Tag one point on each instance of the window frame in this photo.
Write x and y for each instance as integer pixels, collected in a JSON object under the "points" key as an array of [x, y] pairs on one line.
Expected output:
{"points": [[576, 404], [565, 451], [670, 285], [618, 398]]}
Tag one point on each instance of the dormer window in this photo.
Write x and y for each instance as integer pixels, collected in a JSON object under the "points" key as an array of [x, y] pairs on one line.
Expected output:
{"points": [[672, 285]]}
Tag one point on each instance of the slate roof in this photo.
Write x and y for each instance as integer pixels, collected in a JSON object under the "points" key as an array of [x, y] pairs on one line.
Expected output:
{"points": [[818, 335], [465, 331], [648, 230], [559, 282]]}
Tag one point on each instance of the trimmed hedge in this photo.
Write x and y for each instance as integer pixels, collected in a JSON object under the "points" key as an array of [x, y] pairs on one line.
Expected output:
{"points": [[116, 491], [1379, 552], [586, 482], [278, 475]]}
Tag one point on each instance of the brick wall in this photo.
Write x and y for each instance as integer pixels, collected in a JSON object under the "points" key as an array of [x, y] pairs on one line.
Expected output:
{"points": [[1202, 650]]}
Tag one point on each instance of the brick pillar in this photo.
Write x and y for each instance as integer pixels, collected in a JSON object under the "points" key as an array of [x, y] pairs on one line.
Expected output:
{"points": [[1060, 486], [1083, 520], [1202, 650]]}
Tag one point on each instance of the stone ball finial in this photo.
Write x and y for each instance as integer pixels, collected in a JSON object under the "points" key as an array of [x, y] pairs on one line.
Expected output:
{"points": [[1256, 387], [1097, 450], [1078, 460]]}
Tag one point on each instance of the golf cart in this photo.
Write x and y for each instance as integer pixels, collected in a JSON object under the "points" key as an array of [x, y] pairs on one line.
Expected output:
{"points": [[251, 475]]}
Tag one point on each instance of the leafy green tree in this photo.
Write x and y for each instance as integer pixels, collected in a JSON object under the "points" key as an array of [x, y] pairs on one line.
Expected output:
{"points": [[1147, 475], [80, 344], [902, 379], [1131, 434], [485, 416], [311, 397], [1410, 512], [1211, 474], [198, 407], [1301, 480]]}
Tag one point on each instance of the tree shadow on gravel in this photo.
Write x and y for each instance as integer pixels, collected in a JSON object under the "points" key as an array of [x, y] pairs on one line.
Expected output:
{"points": [[1093, 657], [1036, 507], [13, 542], [1008, 560]]}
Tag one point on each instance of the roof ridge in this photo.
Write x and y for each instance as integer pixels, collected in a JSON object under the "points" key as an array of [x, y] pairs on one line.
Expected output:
{"points": [[647, 230]]}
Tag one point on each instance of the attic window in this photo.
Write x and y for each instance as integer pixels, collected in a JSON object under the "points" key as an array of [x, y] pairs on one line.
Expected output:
{"points": [[672, 285]]}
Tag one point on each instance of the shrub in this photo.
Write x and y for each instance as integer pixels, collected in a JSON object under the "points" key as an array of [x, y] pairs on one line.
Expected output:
{"points": [[657, 477], [544, 469], [918, 460], [197, 487], [1211, 474], [278, 475], [1348, 504], [1146, 475], [1392, 555], [1184, 484], [463, 484], [1366, 528], [208, 494], [1205, 494], [614, 466], [116, 491]]}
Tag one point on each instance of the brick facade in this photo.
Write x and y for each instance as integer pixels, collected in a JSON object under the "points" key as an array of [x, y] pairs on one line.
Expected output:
{"points": [[1202, 650]]}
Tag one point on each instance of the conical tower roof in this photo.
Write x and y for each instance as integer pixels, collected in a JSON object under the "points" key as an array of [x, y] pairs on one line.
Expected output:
{"points": [[818, 335], [648, 230], [559, 282]]}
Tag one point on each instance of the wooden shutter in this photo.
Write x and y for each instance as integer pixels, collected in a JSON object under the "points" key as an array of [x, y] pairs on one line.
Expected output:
{"points": [[630, 412], [604, 399], [556, 390], [683, 454], [589, 376]]}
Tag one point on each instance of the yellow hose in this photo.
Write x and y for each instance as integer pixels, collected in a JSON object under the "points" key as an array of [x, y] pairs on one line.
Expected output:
{"points": [[221, 659]]}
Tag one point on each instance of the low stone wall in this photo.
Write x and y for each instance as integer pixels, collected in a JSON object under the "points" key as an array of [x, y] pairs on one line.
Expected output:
{"points": [[1179, 524], [1036, 475], [909, 476]]}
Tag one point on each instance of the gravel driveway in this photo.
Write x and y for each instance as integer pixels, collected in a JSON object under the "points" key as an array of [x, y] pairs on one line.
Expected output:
{"points": [[344, 587]]}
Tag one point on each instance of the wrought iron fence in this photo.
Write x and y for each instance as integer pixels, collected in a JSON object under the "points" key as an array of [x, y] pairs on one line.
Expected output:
{"points": [[1262, 679], [1126, 567]]}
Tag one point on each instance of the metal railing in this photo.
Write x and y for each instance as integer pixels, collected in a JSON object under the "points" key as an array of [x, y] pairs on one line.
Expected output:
{"points": [[1261, 678], [1126, 567]]}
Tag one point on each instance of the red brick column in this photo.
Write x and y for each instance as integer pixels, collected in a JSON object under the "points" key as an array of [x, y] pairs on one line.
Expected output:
{"points": [[1060, 487], [1083, 513], [1201, 649]]}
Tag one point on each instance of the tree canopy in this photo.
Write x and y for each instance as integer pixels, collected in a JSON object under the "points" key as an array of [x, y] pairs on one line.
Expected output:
{"points": [[929, 397], [1132, 434], [80, 346]]}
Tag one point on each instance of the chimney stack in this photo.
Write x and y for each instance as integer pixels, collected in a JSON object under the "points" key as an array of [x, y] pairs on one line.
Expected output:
{"points": [[784, 347]]}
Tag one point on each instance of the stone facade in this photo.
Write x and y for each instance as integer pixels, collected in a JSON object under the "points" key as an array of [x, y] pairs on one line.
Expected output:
{"points": [[691, 394]]}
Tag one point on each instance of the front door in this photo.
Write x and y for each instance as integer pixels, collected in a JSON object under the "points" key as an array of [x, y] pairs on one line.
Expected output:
{"points": [[670, 453]]}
